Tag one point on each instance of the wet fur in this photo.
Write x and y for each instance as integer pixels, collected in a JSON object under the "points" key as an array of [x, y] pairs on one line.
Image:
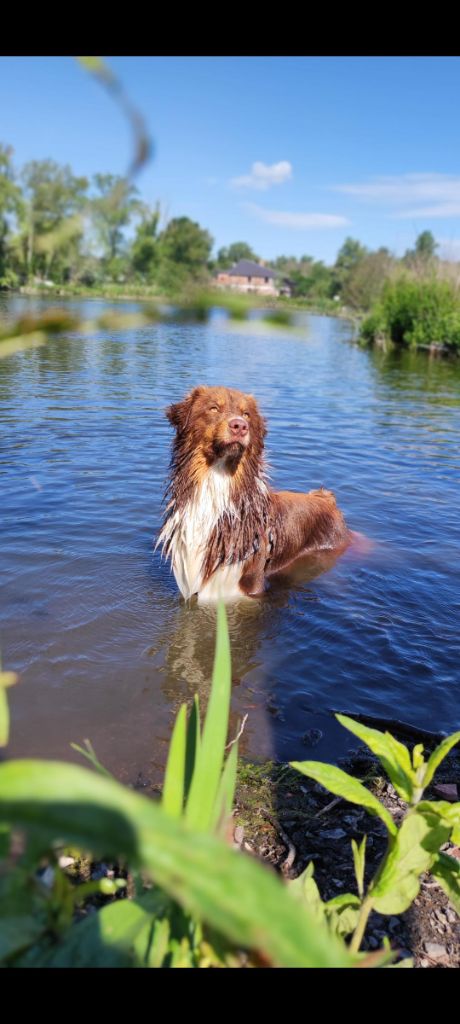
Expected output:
{"points": [[224, 529]]}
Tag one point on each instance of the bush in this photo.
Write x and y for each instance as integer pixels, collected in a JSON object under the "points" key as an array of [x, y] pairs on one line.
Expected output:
{"points": [[415, 313]]}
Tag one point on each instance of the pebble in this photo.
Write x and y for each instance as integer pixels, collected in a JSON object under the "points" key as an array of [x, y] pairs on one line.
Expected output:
{"points": [[435, 950], [333, 833], [238, 835], [447, 791], [312, 737], [65, 862], [349, 819], [99, 872]]}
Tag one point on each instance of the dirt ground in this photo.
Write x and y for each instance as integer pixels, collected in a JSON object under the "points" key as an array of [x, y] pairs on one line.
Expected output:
{"points": [[287, 820]]}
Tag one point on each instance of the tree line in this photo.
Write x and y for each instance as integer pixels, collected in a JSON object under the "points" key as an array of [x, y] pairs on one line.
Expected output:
{"points": [[59, 228]]}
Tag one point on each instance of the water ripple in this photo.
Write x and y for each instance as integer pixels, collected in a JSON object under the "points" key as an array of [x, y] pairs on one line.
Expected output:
{"points": [[91, 617]]}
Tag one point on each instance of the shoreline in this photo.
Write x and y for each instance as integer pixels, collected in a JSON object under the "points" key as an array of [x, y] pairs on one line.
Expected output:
{"points": [[353, 317], [287, 821]]}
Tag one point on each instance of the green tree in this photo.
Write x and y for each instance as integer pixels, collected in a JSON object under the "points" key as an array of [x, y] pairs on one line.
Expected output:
{"points": [[185, 243], [426, 245], [10, 210], [364, 282], [51, 226], [112, 209], [350, 253], [290, 265], [236, 251], [144, 250], [422, 257], [313, 281]]}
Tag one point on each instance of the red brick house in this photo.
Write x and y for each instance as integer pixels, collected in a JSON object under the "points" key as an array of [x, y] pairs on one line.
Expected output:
{"points": [[247, 276]]}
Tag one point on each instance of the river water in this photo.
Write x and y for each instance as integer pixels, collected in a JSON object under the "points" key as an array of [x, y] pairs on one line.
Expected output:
{"points": [[91, 617]]}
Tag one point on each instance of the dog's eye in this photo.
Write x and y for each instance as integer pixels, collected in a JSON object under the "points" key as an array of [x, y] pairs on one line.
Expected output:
{"points": [[214, 408], [247, 415]]}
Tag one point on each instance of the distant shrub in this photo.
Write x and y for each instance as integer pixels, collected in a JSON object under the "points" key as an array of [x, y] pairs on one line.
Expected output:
{"points": [[415, 313]]}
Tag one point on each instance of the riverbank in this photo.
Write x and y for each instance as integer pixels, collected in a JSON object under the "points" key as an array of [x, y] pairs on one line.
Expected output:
{"points": [[136, 293], [372, 329], [288, 821]]}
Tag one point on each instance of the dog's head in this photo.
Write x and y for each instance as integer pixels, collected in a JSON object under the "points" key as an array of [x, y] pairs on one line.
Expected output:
{"points": [[224, 425]]}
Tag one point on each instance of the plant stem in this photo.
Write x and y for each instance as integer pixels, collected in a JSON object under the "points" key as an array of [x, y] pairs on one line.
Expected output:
{"points": [[358, 933]]}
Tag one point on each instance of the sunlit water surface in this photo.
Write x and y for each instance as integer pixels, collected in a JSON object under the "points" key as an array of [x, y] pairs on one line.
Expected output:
{"points": [[90, 616]]}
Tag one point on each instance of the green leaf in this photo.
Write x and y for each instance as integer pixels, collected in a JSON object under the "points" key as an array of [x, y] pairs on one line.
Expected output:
{"points": [[226, 793], [193, 744], [222, 887], [89, 753], [447, 871], [4, 719], [447, 812], [181, 953], [394, 756], [305, 888], [173, 787], [359, 856], [210, 756], [159, 943], [97, 66], [346, 899], [411, 853], [438, 755], [7, 679], [119, 935], [17, 933], [417, 756], [342, 784], [342, 913], [5, 841]]}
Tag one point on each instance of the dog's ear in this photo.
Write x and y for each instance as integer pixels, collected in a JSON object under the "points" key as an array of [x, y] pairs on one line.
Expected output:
{"points": [[179, 414], [176, 414], [257, 418]]}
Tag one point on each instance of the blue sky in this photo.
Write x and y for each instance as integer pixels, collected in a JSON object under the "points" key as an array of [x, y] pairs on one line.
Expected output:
{"points": [[290, 154]]}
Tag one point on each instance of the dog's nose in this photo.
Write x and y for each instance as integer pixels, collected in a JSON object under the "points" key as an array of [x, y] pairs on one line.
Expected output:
{"points": [[238, 426]]}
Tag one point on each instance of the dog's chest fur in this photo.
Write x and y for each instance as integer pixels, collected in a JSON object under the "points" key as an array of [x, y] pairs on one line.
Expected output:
{"points": [[186, 535]]}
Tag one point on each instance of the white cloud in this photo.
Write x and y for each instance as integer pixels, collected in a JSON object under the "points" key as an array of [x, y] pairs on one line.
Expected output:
{"points": [[263, 176], [299, 221], [440, 191], [439, 210]]}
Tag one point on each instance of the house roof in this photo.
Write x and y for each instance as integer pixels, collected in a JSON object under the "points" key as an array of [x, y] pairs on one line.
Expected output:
{"points": [[247, 268]]}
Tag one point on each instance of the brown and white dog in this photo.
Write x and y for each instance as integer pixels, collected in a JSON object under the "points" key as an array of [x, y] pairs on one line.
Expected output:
{"points": [[224, 530]]}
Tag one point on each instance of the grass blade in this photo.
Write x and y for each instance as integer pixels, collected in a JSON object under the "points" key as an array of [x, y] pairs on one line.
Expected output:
{"points": [[173, 788], [210, 756], [193, 744], [225, 794]]}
